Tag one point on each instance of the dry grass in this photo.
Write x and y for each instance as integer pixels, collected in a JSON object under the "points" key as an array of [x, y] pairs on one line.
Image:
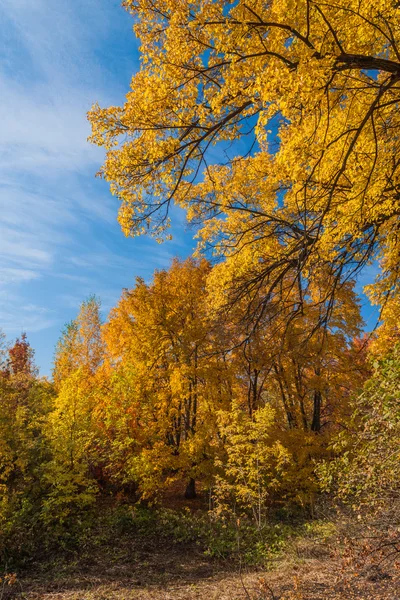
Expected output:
{"points": [[190, 577], [153, 569]]}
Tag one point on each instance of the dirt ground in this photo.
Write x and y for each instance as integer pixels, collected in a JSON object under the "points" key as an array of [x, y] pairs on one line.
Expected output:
{"points": [[180, 572]]}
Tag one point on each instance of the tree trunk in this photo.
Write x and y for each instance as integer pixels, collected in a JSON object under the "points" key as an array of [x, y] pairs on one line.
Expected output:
{"points": [[316, 421], [190, 492]]}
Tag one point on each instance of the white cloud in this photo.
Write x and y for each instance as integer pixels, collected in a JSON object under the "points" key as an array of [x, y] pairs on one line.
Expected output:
{"points": [[16, 315], [48, 74], [59, 240], [15, 275], [49, 77]]}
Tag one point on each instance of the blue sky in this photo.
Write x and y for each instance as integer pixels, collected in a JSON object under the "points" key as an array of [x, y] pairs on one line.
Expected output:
{"points": [[59, 238]]}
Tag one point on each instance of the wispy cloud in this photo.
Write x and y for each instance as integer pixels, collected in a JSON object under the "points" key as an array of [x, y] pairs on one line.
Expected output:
{"points": [[15, 275], [17, 315], [49, 76], [59, 240]]}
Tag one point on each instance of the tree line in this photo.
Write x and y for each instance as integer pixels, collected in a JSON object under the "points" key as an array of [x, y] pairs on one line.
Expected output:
{"points": [[168, 394], [274, 125]]}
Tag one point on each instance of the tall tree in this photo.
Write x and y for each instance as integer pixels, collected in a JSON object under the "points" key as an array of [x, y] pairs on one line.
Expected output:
{"points": [[311, 91], [164, 332], [21, 358], [72, 428], [80, 344]]}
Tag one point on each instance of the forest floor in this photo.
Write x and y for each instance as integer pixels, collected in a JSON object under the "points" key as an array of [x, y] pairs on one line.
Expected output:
{"points": [[152, 567], [162, 571], [184, 573]]}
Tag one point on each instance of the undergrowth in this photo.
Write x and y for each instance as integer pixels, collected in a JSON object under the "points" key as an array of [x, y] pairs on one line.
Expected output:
{"points": [[116, 530]]}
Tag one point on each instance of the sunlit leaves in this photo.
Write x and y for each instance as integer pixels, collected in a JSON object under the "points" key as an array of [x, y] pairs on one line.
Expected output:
{"points": [[309, 93]]}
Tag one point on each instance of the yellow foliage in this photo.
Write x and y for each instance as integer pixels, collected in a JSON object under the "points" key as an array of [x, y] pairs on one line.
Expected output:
{"points": [[178, 379], [309, 93]]}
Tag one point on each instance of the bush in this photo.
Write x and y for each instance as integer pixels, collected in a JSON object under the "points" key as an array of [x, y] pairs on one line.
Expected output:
{"points": [[367, 468]]}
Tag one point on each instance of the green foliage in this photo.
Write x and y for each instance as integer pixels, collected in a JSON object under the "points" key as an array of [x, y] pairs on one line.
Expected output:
{"points": [[264, 466], [69, 433], [24, 408], [367, 468], [222, 537], [255, 462]]}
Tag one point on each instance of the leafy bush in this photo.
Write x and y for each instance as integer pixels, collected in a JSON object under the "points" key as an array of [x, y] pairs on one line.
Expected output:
{"points": [[367, 468]]}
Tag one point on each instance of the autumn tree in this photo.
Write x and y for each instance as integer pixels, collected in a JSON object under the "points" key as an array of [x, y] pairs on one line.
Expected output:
{"points": [[18, 387], [387, 335], [292, 392], [80, 344], [18, 373], [308, 94], [20, 357], [25, 402], [178, 380], [72, 429]]}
